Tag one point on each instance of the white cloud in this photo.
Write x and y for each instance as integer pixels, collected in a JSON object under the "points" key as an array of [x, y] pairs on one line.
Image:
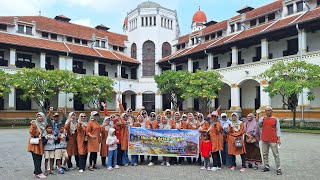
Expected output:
{"points": [[84, 22], [23, 7]]}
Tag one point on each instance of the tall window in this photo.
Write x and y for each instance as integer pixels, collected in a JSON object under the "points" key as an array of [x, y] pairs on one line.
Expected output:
{"points": [[148, 58], [232, 28], [290, 9], [142, 19], [20, 28], [134, 51], [166, 49], [300, 6], [271, 16], [29, 30], [253, 23], [154, 21]]}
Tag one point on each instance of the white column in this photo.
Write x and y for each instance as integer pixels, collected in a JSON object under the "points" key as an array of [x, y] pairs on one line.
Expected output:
{"points": [[235, 97], [139, 100], [96, 68], [43, 60], [190, 104], [119, 70], [264, 96], [158, 102], [12, 100], [65, 63], [139, 71], [295, 7], [302, 41], [190, 65], [173, 66], [234, 56], [210, 61], [264, 49], [64, 100], [13, 57], [69, 63]]}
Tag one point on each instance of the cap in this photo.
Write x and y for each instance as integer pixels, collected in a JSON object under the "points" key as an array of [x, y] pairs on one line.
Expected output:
{"points": [[55, 114]]}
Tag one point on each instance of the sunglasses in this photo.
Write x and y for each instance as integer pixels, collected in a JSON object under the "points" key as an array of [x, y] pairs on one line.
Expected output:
{"points": [[214, 116], [152, 116], [143, 113], [168, 113], [224, 116], [130, 111], [83, 116]]}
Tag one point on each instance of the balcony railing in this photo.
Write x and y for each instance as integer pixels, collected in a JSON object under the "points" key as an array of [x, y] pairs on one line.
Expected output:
{"points": [[24, 64]]}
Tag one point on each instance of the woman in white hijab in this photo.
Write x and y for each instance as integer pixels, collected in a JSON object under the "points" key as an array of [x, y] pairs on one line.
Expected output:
{"points": [[72, 149], [35, 145]]}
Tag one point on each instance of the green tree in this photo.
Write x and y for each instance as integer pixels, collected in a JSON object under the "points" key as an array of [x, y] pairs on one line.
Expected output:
{"points": [[92, 90], [204, 86], [42, 86], [289, 80], [173, 83], [5, 83]]}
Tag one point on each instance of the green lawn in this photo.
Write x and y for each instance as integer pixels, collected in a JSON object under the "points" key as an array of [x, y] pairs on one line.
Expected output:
{"points": [[301, 131]]}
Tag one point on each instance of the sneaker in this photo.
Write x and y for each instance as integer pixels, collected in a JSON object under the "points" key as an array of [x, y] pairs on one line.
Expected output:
{"points": [[61, 171], [41, 176], [116, 167], [250, 165], [110, 168], [150, 164], [65, 168], [213, 169], [168, 164], [91, 168], [162, 164], [135, 164], [218, 168], [242, 169], [203, 168], [80, 171], [255, 167], [279, 172], [232, 168], [265, 169]]}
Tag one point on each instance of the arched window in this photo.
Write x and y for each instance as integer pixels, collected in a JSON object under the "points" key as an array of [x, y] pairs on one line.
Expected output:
{"points": [[148, 58], [166, 49], [134, 51]]}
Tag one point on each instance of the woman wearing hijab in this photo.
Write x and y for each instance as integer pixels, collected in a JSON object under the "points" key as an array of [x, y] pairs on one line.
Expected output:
{"points": [[93, 131], [154, 124], [37, 132], [127, 123], [193, 125], [252, 136], [203, 128], [72, 148], [82, 141], [236, 144], [165, 125], [215, 132], [224, 121], [106, 125]]}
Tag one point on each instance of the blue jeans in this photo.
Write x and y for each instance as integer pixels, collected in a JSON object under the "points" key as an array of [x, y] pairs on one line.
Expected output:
{"points": [[112, 154], [125, 158], [134, 159], [226, 159]]}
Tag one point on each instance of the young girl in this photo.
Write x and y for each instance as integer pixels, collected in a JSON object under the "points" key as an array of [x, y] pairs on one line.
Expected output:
{"points": [[49, 149], [205, 150], [112, 149], [203, 127]]}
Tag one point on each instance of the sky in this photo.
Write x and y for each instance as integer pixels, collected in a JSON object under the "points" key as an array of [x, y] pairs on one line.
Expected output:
{"points": [[111, 13]]}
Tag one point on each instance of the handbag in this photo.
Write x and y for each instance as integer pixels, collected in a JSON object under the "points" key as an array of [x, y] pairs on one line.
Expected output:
{"points": [[251, 140], [34, 140], [238, 142]]}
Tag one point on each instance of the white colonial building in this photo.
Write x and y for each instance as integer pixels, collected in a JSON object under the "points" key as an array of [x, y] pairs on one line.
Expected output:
{"points": [[239, 48]]}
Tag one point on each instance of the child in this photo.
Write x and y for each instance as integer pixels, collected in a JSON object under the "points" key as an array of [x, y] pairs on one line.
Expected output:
{"points": [[61, 152], [206, 148], [112, 149], [49, 149]]}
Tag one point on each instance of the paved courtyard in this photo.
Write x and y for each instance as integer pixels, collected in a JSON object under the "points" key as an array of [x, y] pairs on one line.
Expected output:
{"points": [[299, 157]]}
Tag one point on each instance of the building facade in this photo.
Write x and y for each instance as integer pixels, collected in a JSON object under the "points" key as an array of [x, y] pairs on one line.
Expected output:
{"points": [[239, 48]]}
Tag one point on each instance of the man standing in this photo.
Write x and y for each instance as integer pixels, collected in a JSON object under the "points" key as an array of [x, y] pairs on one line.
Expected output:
{"points": [[56, 121], [270, 136]]}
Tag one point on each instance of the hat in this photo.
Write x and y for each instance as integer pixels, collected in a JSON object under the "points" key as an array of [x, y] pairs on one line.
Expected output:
{"points": [[94, 113], [268, 107], [55, 114], [214, 113], [224, 114]]}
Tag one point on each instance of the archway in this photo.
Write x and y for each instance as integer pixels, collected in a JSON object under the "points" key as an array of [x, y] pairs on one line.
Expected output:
{"points": [[249, 96], [134, 51], [224, 97], [148, 58], [148, 101], [129, 99], [166, 49]]}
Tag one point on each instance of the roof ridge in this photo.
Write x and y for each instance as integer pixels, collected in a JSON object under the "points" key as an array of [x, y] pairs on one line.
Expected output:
{"points": [[233, 36], [270, 25], [115, 55], [96, 51], [298, 17]]}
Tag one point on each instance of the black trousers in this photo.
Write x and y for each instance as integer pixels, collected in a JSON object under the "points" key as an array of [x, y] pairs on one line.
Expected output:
{"points": [[83, 161], [243, 160], [180, 160], [154, 159], [103, 161], [70, 162], [119, 156], [142, 159], [37, 163], [93, 158], [189, 160], [216, 159], [199, 160]]}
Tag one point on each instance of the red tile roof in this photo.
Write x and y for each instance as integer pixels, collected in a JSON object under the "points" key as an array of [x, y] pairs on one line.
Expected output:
{"points": [[184, 38], [274, 6], [215, 27], [310, 15], [59, 46], [282, 23], [69, 29]]}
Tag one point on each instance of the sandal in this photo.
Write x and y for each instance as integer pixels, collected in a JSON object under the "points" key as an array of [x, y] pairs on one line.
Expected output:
{"points": [[279, 172], [266, 169]]}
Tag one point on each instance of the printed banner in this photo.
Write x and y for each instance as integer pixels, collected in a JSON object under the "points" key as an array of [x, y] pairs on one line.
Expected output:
{"points": [[164, 142]]}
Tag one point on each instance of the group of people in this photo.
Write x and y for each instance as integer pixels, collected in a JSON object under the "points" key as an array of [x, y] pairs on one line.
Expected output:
{"points": [[61, 139]]}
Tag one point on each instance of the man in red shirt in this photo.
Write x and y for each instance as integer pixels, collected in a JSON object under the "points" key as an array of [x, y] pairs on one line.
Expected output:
{"points": [[270, 137]]}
